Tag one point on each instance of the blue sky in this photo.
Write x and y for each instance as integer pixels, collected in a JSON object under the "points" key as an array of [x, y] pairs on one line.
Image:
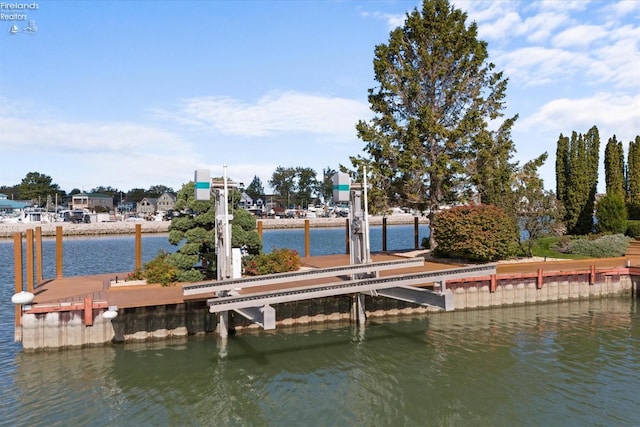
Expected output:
{"points": [[131, 94]]}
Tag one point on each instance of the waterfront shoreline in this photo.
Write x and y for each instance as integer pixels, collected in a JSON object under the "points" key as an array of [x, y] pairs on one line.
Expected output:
{"points": [[129, 227]]}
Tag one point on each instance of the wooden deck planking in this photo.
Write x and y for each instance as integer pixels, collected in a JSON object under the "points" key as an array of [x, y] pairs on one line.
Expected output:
{"points": [[74, 289]]}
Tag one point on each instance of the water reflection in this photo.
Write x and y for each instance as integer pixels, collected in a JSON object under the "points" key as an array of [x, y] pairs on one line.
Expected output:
{"points": [[574, 363]]}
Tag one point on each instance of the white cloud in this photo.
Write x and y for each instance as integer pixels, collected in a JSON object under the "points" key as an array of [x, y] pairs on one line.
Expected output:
{"points": [[619, 61], [611, 113], [503, 26], [534, 66], [561, 5], [393, 20], [625, 7], [580, 36], [46, 135], [278, 113]]}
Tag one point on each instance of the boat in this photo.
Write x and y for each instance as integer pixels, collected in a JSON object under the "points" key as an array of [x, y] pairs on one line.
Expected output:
{"points": [[27, 216]]}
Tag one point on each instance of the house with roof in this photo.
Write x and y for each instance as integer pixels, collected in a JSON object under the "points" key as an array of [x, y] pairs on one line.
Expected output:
{"points": [[166, 202], [91, 202], [10, 206], [147, 206]]}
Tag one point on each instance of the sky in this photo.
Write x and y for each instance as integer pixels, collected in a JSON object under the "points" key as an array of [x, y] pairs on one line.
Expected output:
{"points": [[132, 94]]}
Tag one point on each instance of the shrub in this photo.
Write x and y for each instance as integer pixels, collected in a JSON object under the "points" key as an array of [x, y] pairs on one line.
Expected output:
{"points": [[192, 275], [608, 246], [475, 232], [425, 243], [633, 229], [278, 261], [160, 270], [611, 213]]}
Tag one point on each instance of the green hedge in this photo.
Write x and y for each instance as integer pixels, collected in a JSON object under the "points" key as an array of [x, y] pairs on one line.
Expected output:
{"points": [[633, 229]]}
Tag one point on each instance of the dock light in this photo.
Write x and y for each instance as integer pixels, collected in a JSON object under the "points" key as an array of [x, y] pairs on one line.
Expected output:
{"points": [[111, 313], [22, 298]]}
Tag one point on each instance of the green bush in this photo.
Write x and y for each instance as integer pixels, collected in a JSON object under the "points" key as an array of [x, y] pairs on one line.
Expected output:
{"points": [[278, 261], [160, 270], [608, 246], [476, 233], [633, 229], [425, 243], [192, 275], [611, 213]]}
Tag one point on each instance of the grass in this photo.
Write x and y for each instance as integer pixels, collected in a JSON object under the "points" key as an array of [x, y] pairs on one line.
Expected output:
{"points": [[545, 247]]}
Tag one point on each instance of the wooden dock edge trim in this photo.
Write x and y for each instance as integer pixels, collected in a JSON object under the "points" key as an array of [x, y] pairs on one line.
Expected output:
{"points": [[40, 309], [609, 271]]}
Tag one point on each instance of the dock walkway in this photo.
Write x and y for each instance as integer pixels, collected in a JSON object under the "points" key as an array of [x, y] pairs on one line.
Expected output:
{"points": [[74, 290]]}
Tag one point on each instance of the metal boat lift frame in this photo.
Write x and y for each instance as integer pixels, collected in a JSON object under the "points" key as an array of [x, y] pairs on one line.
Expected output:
{"points": [[362, 275]]}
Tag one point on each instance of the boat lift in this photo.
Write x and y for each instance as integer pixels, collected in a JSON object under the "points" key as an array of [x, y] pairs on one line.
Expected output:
{"points": [[360, 278]]}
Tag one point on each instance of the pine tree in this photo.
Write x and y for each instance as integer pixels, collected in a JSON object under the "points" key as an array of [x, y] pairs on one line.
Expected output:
{"points": [[493, 172], [436, 93]]}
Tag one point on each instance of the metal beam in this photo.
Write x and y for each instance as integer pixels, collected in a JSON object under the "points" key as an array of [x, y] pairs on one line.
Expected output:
{"points": [[264, 316], [342, 288], [443, 300], [248, 282]]}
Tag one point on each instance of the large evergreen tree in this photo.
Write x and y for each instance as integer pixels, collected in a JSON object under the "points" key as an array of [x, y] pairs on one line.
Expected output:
{"points": [[614, 169], [255, 190], [436, 93], [562, 167], [577, 168], [633, 179], [493, 172], [36, 187]]}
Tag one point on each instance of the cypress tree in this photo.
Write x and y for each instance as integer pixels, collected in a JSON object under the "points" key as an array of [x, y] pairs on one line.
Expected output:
{"points": [[614, 169], [578, 190], [633, 179], [562, 167]]}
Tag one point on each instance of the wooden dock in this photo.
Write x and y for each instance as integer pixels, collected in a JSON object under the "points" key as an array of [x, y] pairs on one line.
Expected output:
{"points": [[55, 294]]}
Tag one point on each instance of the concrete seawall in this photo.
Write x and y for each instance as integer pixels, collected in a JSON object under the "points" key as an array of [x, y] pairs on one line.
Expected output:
{"points": [[65, 329]]}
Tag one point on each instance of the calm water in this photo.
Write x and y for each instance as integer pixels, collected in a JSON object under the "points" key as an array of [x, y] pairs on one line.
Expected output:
{"points": [[570, 364]]}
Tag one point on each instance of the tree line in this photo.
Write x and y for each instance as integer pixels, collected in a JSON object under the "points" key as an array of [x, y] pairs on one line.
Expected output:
{"points": [[40, 189]]}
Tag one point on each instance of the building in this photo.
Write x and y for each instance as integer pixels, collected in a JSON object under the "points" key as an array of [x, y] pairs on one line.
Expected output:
{"points": [[147, 206], [10, 206], [92, 202], [166, 202]]}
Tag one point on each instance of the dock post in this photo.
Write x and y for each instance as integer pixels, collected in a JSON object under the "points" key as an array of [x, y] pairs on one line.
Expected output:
{"points": [[29, 254], [347, 238], [384, 234], [360, 314], [260, 229], [540, 279], [17, 267], [88, 311], [307, 245], [138, 247], [223, 324], [59, 252], [39, 275], [416, 233]]}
